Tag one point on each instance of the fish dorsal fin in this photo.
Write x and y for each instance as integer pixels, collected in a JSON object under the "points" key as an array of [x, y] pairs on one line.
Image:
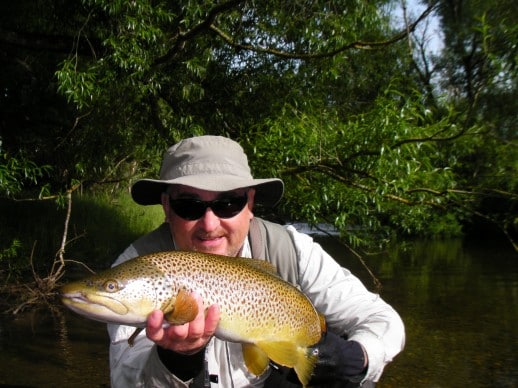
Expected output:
{"points": [[256, 360], [293, 356], [184, 310], [262, 265]]}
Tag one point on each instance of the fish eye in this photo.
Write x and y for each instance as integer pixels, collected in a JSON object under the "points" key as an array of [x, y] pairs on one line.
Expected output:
{"points": [[111, 285]]}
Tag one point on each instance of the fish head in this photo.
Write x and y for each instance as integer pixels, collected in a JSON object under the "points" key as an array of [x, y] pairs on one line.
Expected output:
{"points": [[112, 297]]}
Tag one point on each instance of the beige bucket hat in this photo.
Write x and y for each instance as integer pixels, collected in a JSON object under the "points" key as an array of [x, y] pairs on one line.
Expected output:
{"points": [[213, 163]]}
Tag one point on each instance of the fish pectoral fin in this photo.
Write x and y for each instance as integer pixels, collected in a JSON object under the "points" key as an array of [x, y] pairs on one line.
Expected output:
{"points": [[184, 310], [293, 356], [256, 360], [131, 339]]}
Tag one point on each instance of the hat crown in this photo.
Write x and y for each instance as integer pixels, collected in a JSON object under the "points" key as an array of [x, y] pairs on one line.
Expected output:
{"points": [[212, 163], [205, 155]]}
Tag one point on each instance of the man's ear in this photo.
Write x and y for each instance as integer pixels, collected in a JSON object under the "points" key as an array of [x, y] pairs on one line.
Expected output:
{"points": [[251, 201], [166, 206]]}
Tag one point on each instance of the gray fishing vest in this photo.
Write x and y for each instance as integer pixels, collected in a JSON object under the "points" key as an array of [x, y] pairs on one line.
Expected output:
{"points": [[268, 241], [273, 243]]}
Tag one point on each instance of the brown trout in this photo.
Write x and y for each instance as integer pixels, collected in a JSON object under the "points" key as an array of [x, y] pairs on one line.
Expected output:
{"points": [[270, 317]]}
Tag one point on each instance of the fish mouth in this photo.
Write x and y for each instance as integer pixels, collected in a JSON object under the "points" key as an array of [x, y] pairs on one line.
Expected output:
{"points": [[76, 297], [93, 305]]}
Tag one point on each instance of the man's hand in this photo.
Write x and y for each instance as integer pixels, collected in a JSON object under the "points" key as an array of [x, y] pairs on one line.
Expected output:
{"points": [[338, 360], [188, 338]]}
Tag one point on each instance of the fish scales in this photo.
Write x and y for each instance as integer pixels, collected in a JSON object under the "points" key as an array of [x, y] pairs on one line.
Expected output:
{"points": [[257, 306], [239, 289]]}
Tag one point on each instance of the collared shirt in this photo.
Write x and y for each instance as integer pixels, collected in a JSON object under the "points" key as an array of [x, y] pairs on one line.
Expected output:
{"points": [[350, 309]]}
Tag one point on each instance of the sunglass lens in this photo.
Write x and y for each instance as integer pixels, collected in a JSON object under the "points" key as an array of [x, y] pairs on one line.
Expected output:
{"points": [[193, 209], [189, 209], [227, 208]]}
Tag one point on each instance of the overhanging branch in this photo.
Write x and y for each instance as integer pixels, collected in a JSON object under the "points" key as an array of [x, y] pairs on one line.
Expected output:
{"points": [[182, 37], [304, 56]]}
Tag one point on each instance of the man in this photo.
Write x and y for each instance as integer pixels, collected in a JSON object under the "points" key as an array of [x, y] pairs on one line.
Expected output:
{"points": [[208, 195]]}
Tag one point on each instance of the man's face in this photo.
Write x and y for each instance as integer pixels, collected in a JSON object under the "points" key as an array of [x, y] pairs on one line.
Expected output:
{"points": [[209, 233]]}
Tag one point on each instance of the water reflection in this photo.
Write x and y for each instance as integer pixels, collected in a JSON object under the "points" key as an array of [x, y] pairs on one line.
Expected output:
{"points": [[48, 349], [460, 305], [459, 302]]}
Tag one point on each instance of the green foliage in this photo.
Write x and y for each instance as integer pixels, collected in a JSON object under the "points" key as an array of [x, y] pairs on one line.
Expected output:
{"points": [[108, 224], [78, 86], [10, 266], [385, 167], [327, 95], [17, 172], [100, 228]]}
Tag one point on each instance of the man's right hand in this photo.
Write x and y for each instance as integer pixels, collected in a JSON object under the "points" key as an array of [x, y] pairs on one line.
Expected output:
{"points": [[189, 338]]}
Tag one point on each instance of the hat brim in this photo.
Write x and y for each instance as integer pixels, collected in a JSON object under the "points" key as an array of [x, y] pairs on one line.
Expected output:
{"points": [[268, 192]]}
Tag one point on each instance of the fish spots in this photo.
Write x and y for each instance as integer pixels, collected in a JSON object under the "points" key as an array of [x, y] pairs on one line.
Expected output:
{"points": [[252, 298], [257, 307]]}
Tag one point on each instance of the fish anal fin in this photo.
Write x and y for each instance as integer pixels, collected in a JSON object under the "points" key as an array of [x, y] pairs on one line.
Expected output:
{"points": [[184, 310], [323, 324], [293, 356], [256, 359], [282, 352]]}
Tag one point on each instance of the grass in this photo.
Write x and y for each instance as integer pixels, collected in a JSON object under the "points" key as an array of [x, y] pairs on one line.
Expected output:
{"points": [[101, 226]]}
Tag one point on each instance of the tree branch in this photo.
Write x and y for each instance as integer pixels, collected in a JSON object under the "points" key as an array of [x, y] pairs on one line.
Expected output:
{"points": [[304, 56], [337, 173], [182, 37]]}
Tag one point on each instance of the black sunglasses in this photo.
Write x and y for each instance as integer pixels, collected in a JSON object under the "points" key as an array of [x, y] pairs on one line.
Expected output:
{"points": [[192, 209]]}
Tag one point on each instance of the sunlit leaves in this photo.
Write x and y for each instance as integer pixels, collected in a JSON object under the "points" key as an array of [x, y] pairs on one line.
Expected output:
{"points": [[131, 41], [383, 169], [79, 87], [17, 171], [360, 138]]}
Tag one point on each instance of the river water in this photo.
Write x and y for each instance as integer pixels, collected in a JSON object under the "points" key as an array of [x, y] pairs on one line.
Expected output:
{"points": [[459, 302]]}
